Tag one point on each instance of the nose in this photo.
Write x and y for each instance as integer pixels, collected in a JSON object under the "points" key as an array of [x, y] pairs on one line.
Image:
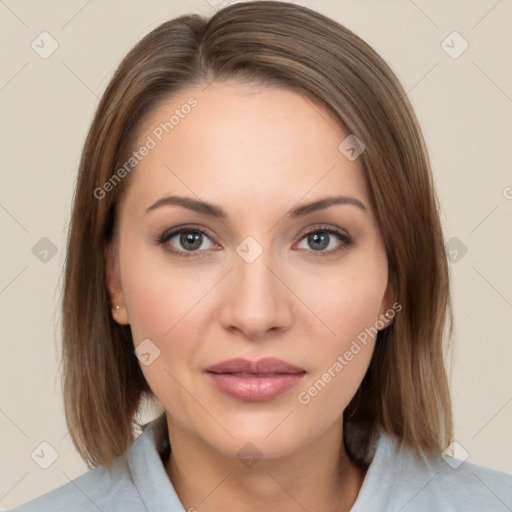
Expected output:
{"points": [[256, 300]]}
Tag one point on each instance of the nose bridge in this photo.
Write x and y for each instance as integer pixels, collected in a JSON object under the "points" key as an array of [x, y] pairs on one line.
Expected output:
{"points": [[256, 301], [252, 271]]}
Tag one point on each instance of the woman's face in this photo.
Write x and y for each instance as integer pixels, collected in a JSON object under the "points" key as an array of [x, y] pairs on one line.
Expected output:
{"points": [[239, 276]]}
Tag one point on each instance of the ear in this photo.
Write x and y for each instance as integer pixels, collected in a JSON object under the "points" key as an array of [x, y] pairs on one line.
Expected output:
{"points": [[114, 287], [390, 298]]}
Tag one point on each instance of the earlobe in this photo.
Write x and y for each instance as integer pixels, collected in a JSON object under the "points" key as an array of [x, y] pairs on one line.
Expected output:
{"points": [[114, 287], [120, 315]]}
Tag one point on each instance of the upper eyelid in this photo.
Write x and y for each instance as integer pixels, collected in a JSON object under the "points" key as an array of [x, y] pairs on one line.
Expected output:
{"points": [[315, 227], [168, 233]]}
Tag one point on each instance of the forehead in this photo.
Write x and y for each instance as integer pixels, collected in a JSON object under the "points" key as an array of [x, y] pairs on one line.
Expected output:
{"points": [[258, 145]]}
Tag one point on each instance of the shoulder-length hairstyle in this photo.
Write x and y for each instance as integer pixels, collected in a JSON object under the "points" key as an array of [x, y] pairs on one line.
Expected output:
{"points": [[405, 390]]}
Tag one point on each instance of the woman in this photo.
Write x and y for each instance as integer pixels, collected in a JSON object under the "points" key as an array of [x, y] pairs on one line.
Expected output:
{"points": [[255, 245]]}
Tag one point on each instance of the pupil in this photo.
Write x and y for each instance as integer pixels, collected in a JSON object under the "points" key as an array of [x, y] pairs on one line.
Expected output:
{"points": [[192, 238], [314, 238]]}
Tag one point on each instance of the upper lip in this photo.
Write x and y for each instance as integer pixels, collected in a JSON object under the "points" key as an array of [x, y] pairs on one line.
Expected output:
{"points": [[263, 365]]}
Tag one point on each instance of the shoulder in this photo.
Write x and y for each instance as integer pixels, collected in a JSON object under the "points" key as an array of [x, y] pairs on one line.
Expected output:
{"points": [[135, 480], [88, 492], [399, 480], [84, 493], [467, 486]]}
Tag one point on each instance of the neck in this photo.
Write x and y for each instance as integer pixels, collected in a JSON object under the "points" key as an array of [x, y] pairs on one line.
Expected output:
{"points": [[318, 476]]}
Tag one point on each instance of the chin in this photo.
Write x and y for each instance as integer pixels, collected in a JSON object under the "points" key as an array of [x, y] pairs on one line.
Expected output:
{"points": [[268, 440]]}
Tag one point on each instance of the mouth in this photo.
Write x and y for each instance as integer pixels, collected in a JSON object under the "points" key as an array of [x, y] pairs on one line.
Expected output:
{"points": [[254, 381], [263, 366]]}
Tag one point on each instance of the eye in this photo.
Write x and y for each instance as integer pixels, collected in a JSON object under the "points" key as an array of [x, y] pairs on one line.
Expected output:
{"points": [[326, 237], [186, 240], [193, 241]]}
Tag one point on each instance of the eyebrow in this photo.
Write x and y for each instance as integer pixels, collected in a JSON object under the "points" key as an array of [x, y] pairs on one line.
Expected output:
{"points": [[217, 212]]}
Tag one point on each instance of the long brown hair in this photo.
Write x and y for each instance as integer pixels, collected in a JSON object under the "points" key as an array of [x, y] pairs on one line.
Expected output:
{"points": [[278, 44]]}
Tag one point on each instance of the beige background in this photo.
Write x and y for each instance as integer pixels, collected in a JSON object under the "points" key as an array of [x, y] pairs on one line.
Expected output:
{"points": [[464, 105]]}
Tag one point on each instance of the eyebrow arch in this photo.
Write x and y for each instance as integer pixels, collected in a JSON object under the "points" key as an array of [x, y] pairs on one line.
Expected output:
{"points": [[217, 212]]}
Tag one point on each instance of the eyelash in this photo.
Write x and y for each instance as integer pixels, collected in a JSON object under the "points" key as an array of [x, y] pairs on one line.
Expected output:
{"points": [[345, 240]]}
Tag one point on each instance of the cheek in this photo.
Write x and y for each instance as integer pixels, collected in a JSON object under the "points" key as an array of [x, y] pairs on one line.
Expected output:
{"points": [[345, 307], [151, 308], [165, 305], [161, 309], [158, 295], [340, 363], [342, 340]]}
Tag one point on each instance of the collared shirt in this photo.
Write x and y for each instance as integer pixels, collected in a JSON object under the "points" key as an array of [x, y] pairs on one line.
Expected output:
{"points": [[395, 482]]}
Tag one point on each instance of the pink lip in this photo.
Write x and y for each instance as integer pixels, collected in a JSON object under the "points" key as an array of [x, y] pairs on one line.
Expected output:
{"points": [[254, 381]]}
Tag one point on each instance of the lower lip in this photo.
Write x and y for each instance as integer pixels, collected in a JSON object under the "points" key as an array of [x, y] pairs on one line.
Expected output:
{"points": [[255, 389]]}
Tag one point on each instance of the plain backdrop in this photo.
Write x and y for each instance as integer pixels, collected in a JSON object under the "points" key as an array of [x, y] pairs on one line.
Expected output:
{"points": [[463, 100]]}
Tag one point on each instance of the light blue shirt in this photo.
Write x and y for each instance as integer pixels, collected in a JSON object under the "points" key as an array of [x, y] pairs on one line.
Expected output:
{"points": [[394, 482]]}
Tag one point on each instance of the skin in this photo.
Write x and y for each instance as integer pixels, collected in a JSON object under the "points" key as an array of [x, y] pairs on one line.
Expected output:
{"points": [[257, 152]]}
